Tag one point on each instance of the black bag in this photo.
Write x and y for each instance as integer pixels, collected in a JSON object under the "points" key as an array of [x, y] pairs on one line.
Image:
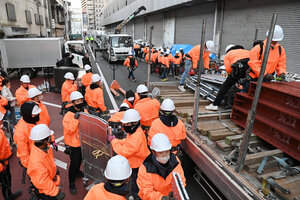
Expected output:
{"points": [[132, 62]]}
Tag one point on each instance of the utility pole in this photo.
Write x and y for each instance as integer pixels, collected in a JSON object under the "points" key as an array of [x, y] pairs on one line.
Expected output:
{"points": [[252, 111], [149, 65]]}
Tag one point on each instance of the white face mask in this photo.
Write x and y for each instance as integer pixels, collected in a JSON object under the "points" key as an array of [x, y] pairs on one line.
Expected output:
{"points": [[163, 160]]}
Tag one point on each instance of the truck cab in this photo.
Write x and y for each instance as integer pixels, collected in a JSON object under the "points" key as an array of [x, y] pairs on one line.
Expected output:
{"points": [[117, 47], [77, 49]]}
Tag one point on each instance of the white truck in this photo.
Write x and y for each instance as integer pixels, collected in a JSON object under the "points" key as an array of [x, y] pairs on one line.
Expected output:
{"points": [[31, 55], [117, 46]]}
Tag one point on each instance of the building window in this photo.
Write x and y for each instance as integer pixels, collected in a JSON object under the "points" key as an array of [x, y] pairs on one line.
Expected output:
{"points": [[47, 22], [41, 20], [28, 16], [11, 12], [36, 19]]}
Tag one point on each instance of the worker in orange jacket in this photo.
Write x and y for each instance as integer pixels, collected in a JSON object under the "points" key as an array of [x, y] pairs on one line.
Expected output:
{"points": [[67, 88], [155, 174], [131, 98], [86, 79], [94, 96], [148, 108], [236, 65], [116, 117], [159, 61], [5, 175], [30, 112], [131, 64], [192, 59], [3, 102], [137, 50], [276, 60], [21, 92], [41, 166], [133, 147], [115, 121], [169, 124], [176, 61], [154, 61], [72, 138], [165, 64], [117, 174]]}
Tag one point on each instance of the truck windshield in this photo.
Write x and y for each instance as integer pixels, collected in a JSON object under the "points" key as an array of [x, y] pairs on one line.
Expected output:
{"points": [[121, 41]]}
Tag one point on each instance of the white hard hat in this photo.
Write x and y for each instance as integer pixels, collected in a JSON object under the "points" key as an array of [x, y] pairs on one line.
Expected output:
{"points": [[210, 45], [40, 132], [177, 52], [96, 78], [36, 110], [1, 116], [130, 53], [87, 67], [69, 75], [228, 47], [130, 115], [278, 33], [33, 92], [117, 169], [25, 79], [222, 67], [75, 96], [124, 105], [181, 48], [160, 142], [167, 105], [141, 89]]}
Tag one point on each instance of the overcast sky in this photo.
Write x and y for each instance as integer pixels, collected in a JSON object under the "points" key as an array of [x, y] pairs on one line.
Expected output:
{"points": [[76, 3]]}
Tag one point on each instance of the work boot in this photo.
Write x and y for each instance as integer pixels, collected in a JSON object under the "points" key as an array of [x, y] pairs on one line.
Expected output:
{"points": [[15, 195], [72, 188], [211, 107], [134, 80], [181, 88]]}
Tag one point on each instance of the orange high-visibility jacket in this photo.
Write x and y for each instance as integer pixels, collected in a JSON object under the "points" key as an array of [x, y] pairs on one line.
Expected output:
{"points": [[5, 152], [147, 58], [275, 61], [146, 50], [177, 61], [234, 55], [66, 90], [21, 138], [133, 147], [127, 62], [153, 58], [117, 117], [195, 54], [71, 130], [42, 170], [136, 46], [98, 191], [86, 79], [165, 61], [171, 58], [152, 186], [148, 109], [175, 134], [95, 98], [136, 99], [21, 94], [3, 102]]}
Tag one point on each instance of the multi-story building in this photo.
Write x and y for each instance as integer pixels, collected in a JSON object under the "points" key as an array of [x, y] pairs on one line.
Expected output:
{"points": [[90, 4], [227, 22], [76, 21], [99, 4], [32, 18]]}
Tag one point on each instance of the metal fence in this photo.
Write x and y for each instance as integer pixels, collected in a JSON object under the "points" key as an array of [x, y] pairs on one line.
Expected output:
{"points": [[94, 146]]}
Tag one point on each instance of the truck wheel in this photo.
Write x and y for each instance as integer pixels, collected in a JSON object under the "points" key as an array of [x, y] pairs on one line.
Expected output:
{"points": [[28, 72]]}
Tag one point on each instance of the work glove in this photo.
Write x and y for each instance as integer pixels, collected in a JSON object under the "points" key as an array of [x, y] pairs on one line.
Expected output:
{"points": [[60, 195], [111, 137], [282, 76], [76, 116], [54, 145], [268, 77]]}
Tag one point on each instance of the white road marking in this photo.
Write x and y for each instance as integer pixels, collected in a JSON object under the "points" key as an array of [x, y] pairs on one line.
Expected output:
{"points": [[61, 164], [59, 139], [51, 104], [112, 99]]}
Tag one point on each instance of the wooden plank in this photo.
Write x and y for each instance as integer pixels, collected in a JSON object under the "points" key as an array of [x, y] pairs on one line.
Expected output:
{"points": [[258, 157], [254, 167], [220, 134], [205, 126], [236, 138], [211, 117], [223, 146]]}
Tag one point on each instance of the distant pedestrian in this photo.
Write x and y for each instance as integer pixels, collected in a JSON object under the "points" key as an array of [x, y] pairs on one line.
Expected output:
{"points": [[11, 101], [131, 64]]}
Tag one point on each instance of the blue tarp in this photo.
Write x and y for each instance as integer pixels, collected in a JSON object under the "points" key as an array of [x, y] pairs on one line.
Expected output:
{"points": [[176, 47]]}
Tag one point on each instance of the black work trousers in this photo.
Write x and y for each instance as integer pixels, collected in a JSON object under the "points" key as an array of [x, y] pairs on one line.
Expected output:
{"points": [[5, 180], [76, 158], [134, 186], [232, 79]]}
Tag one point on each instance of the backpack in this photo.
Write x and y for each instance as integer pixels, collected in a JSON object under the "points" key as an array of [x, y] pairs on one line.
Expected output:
{"points": [[261, 44], [132, 62]]}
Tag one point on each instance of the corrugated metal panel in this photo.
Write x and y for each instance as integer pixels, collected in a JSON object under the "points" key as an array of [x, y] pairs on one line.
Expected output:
{"points": [[139, 28], [157, 34], [241, 18], [188, 23]]}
